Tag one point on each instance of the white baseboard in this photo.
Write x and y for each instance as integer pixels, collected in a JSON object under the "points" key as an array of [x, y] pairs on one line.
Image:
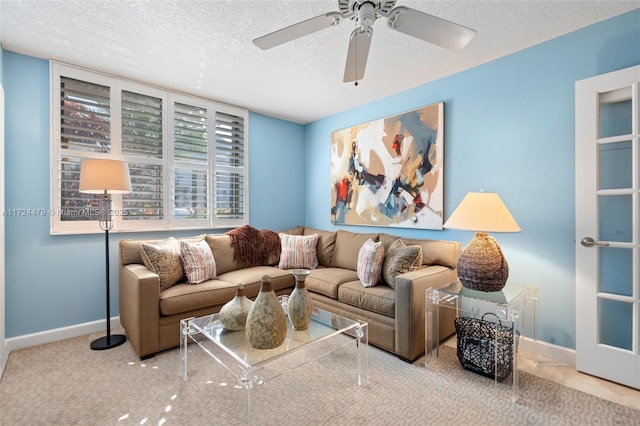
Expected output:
{"points": [[551, 352], [546, 350], [40, 338]]}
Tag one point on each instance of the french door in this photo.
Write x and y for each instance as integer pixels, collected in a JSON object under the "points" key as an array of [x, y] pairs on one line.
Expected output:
{"points": [[607, 230]]}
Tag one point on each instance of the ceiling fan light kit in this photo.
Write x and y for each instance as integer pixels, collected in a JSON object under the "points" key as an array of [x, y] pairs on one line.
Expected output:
{"points": [[403, 19]]}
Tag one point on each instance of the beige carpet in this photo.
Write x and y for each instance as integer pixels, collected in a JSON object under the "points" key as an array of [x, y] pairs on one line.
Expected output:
{"points": [[65, 383]]}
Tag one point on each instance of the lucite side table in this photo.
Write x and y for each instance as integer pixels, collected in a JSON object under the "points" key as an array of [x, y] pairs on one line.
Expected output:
{"points": [[515, 306]]}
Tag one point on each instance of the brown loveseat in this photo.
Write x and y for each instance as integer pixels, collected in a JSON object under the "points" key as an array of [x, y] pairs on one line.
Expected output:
{"points": [[151, 317]]}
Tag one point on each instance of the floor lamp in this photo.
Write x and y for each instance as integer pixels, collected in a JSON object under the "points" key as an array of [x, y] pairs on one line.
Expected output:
{"points": [[105, 177]]}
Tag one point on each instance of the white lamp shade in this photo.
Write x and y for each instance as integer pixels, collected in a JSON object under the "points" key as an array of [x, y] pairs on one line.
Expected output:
{"points": [[104, 177], [482, 212]]}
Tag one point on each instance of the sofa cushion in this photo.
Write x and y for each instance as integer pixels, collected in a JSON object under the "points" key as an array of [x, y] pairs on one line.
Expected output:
{"points": [[348, 244], [437, 252], [327, 280], [131, 250], [223, 252], [326, 245], [163, 259], [298, 230], [298, 251], [183, 297], [198, 262], [252, 279], [370, 261], [399, 259], [380, 299]]}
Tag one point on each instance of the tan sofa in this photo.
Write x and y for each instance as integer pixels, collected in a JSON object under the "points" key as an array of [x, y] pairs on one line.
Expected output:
{"points": [[396, 317]]}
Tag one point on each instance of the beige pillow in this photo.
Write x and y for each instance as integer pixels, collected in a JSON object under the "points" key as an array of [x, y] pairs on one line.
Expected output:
{"points": [[198, 262], [400, 259], [163, 259]]}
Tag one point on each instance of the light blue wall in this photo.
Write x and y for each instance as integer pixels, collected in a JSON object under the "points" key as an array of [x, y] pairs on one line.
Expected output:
{"points": [[58, 281], [278, 173], [509, 128]]}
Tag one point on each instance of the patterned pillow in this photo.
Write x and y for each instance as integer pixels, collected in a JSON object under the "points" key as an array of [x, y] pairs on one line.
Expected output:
{"points": [[399, 260], [198, 262], [298, 251], [163, 259], [370, 261]]}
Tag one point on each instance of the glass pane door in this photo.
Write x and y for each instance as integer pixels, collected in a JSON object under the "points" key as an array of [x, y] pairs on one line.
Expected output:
{"points": [[607, 231]]}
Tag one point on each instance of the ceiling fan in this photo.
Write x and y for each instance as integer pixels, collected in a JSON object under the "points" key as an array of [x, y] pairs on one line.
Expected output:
{"points": [[365, 12]]}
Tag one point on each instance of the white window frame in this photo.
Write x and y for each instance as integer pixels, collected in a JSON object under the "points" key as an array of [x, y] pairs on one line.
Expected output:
{"points": [[169, 221]]}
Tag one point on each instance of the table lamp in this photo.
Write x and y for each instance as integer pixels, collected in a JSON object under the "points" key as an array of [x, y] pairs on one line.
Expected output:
{"points": [[105, 177], [482, 265]]}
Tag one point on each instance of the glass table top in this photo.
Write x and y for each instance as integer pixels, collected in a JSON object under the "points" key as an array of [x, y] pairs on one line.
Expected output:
{"points": [[507, 295], [323, 326]]}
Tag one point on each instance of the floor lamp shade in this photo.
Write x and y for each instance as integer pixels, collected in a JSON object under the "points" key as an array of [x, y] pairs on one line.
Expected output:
{"points": [[105, 177], [482, 265]]}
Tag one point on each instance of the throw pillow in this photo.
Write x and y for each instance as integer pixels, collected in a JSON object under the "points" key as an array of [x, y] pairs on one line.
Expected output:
{"points": [[298, 251], [370, 261], [198, 262], [399, 260], [163, 259]]}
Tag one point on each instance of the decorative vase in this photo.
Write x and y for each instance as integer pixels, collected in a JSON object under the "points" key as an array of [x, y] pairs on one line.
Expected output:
{"points": [[266, 325], [299, 306], [233, 314]]}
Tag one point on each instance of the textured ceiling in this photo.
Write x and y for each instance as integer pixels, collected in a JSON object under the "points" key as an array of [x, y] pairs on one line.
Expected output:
{"points": [[204, 47]]}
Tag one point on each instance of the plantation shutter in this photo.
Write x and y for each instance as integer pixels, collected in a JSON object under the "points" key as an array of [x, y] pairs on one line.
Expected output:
{"points": [[230, 184], [186, 155], [85, 127], [191, 159], [142, 139]]}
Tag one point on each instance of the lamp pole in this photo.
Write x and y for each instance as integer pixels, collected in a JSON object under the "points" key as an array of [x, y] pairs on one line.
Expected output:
{"points": [[106, 224]]}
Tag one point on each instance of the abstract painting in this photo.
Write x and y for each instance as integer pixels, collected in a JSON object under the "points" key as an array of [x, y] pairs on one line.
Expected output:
{"points": [[389, 172]]}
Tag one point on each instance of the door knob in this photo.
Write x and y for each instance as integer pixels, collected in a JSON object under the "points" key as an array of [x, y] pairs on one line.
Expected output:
{"points": [[590, 242]]}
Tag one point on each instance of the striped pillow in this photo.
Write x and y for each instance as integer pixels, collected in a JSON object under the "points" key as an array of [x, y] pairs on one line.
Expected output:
{"points": [[197, 259], [370, 261], [298, 251]]}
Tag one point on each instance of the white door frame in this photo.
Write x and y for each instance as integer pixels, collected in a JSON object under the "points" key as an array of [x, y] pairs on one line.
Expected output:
{"points": [[3, 341], [592, 356]]}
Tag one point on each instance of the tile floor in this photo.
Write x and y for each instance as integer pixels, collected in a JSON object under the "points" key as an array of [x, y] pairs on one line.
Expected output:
{"points": [[567, 375]]}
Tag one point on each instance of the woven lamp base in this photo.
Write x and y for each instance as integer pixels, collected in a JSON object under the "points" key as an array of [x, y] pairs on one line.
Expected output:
{"points": [[482, 265]]}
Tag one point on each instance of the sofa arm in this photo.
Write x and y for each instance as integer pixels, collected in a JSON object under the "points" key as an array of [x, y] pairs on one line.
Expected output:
{"points": [[140, 308], [410, 306]]}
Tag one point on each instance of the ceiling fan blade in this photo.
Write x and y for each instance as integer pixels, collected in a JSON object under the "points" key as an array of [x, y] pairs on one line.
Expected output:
{"points": [[298, 30], [359, 44], [430, 28]]}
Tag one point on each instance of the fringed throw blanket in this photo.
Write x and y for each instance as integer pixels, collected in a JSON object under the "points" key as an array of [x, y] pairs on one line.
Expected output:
{"points": [[253, 247]]}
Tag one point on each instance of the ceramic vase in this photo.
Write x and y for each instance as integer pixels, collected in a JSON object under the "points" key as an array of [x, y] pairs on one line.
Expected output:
{"points": [[233, 314], [266, 325], [299, 306]]}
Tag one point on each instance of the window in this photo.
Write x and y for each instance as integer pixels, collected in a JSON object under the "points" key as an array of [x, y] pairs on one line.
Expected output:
{"points": [[186, 155]]}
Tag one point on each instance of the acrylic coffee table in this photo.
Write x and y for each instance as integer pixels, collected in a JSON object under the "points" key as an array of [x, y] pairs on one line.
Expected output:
{"points": [[327, 332]]}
